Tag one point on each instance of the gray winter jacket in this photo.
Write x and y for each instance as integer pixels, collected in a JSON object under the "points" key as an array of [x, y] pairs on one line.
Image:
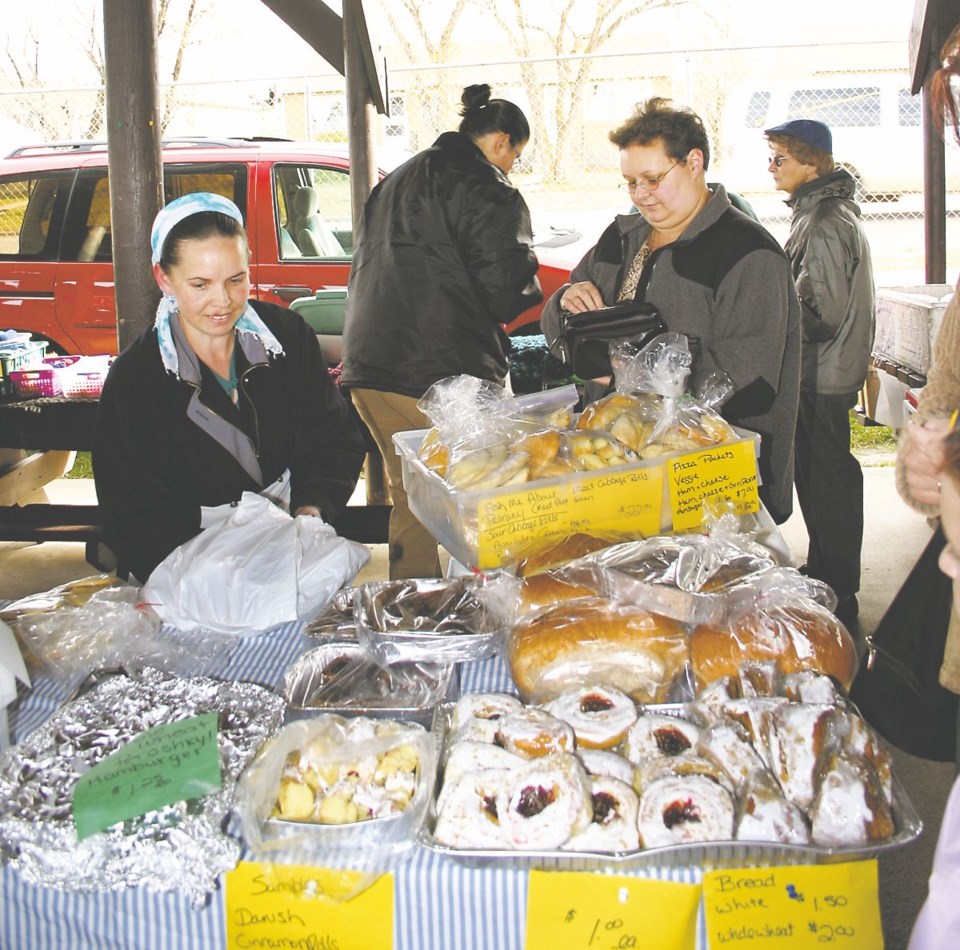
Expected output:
{"points": [[725, 284], [830, 259]]}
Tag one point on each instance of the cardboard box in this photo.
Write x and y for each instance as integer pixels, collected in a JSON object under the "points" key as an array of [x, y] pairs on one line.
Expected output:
{"points": [[492, 527]]}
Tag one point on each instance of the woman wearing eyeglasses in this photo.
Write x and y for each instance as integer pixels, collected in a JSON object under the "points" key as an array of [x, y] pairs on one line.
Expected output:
{"points": [[715, 275]]}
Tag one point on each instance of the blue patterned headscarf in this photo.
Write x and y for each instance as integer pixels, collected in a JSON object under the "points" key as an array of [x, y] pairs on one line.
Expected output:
{"points": [[163, 224]]}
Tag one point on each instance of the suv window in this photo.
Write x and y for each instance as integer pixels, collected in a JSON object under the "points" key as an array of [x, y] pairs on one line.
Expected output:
{"points": [[837, 107], [31, 209], [313, 212]]}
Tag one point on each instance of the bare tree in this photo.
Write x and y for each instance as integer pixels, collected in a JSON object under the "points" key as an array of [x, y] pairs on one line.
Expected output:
{"points": [[572, 31], [425, 29], [58, 113]]}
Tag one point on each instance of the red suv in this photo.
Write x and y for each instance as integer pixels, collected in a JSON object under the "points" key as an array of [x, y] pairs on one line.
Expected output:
{"points": [[56, 263]]}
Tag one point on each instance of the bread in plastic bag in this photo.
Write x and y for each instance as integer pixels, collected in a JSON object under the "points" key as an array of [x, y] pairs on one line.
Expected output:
{"points": [[782, 617], [592, 640]]}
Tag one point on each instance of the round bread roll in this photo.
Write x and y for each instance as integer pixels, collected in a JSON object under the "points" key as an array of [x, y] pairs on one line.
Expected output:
{"points": [[589, 640], [797, 638], [558, 553]]}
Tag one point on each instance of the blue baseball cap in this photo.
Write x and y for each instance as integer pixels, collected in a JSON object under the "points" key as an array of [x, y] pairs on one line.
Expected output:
{"points": [[811, 131]]}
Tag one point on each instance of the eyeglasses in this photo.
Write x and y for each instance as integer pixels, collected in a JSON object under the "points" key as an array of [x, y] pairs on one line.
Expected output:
{"points": [[778, 160], [648, 182]]}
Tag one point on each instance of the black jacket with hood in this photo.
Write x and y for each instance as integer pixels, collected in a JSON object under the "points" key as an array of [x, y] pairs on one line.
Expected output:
{"points": [[444, 257]]}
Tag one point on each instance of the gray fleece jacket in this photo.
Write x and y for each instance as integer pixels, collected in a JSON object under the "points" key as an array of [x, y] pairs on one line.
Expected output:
{"points": [[830, 259], [726, 285]]}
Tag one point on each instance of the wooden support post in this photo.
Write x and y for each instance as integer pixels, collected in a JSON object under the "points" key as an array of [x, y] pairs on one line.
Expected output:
{"points": [[133, 149]]}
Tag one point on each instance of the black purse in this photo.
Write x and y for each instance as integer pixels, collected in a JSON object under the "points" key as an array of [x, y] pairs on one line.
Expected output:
{"points": [[587, 336], [897, 688]]}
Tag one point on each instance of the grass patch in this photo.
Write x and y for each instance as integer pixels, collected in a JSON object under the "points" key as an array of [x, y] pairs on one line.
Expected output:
{"points": [[871, 437], [82, 467]]}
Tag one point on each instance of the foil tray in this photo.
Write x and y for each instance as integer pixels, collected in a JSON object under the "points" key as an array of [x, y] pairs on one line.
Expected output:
{"points": [[340, 677], [706, 854]]}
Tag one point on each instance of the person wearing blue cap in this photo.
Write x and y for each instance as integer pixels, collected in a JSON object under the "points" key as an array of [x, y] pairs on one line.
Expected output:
{"points": [[830, 258], [221, 396]]}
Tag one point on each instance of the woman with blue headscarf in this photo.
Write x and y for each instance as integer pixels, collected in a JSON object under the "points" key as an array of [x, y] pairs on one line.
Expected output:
{"points": [[222, 395]]}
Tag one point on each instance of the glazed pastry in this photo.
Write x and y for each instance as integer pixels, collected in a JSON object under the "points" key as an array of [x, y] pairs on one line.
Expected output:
{"points": [[808, 686], [754, 716], [676, 810], [533, 732], [600, 762], [468, 818], [687, 763], [488, 706], [709, 706], [763, 814], [544, 803], [547, 589], [726, 744], [654, 735], [798, 739], [614, 825], [850, 808], [599, 715], [473, 757]]}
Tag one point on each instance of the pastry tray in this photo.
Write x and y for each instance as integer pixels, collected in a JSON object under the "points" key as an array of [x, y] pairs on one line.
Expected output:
{"points": [[707, 854]]}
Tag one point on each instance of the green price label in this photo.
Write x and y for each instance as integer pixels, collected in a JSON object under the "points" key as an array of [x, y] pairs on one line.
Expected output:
{"points": [[165, 764]]}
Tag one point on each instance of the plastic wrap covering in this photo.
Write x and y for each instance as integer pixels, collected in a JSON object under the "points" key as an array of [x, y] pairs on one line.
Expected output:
{"points": [[180, 847], [336, 619], [786, 621], [110, 628], [339, 793], [427, 620], [686, 577], [340, 676], [686, 422], [591, 640]]}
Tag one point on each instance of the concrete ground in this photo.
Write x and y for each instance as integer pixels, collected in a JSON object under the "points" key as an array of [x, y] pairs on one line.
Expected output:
{"points": [[894, 538]]}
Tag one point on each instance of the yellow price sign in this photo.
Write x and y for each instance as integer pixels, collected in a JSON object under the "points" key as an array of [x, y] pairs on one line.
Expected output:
{"points": [[296, 906], [626, 500], [579, 911], [726, 472], [797, 906]]}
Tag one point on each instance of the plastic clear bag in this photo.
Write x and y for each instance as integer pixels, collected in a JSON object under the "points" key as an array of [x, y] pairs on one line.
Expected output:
{"points": [[251, 568], [333, 792], [777, 616], [111, 629]]}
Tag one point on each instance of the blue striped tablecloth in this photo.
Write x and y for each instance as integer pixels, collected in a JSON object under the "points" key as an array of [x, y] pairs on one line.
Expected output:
{"points": [[439, 904]]}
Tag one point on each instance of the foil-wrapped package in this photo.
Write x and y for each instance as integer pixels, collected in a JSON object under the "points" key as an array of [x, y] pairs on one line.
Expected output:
{"points": [[178, 847]]}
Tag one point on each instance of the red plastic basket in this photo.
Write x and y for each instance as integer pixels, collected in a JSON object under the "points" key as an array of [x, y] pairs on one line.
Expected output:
{"points": [[43, 381]]}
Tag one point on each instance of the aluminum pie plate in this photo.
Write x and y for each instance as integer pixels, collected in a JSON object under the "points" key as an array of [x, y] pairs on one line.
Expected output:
{"points": [[705, 854]]}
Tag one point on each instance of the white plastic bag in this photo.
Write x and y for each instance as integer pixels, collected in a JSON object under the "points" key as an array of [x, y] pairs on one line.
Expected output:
{"points": [[251, 568]]}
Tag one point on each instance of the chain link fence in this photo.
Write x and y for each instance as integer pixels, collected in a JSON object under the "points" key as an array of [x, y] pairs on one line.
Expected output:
{"points": [[570, 171]]}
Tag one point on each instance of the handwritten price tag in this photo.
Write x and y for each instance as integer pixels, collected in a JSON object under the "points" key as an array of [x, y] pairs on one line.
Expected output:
{"points": [[802, 906], [579, 911], [726, 472], [165, 764], [627, 499], [291, 906]]}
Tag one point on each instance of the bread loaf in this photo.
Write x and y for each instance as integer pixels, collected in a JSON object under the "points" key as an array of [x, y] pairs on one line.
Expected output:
{"points": [[591, 641], [556, 553], [546, 589], [796, 637]]}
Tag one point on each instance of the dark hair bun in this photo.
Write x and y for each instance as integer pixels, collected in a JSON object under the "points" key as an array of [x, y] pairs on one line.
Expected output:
{"points": [[474, 98]]}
